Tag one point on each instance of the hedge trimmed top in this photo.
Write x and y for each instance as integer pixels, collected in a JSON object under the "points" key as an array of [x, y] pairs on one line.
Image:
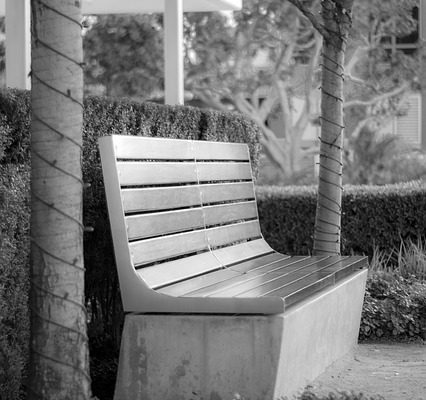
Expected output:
{"points": [[373, 216], [105, 116]]}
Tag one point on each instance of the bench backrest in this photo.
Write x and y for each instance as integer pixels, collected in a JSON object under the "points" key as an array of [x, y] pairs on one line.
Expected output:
{"points": [[177, 206]]}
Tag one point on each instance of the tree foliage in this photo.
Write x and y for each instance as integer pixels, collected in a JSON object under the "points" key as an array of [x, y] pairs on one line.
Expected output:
{"points": [[263, 61], [123, 54], [378, 73]]}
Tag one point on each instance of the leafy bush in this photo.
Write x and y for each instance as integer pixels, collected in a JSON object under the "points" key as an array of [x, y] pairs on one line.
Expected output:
{"points": [[14, 251], [373, 216], [394, 307], [287, 217], [376, 159], [103, 367], [309, 395]]}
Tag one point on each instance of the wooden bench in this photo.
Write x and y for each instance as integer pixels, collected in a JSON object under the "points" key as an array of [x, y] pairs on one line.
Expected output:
{"points": [[187, 237]]}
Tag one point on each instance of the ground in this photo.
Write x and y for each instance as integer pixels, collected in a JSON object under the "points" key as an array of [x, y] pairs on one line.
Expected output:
{"points": [[396, 371]]}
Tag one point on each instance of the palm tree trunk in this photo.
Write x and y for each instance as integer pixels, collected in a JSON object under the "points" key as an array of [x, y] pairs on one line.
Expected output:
{"points": [[337, 22], [59, 348]]}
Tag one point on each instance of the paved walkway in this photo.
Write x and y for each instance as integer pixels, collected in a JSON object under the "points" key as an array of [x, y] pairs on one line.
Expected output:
{"points": [[394, 371]]}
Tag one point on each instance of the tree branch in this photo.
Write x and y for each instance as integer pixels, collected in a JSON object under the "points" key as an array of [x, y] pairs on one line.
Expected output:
{"points": [[311, 17], [370, 102]]}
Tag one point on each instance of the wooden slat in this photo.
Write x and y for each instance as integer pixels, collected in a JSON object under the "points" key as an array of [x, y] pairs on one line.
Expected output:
{"points": [[222, 192], [256, 276], [163, 198], [302, 289], [259, 262], [148, 225], [252, 285], [229, 234], [300, 262], [280, 281], [357, 263], [223, 213], [156, 173], [223, 171], [150, 250], [225, 279], [160, 198], [169, 272], [242, 251], [325, 277], [154, 224], [220, 151], [137, 147], [181, 288], [213, 286]]}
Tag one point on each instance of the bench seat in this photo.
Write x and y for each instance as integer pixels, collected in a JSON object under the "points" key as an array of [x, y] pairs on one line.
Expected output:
{"points": [[186, 232]]}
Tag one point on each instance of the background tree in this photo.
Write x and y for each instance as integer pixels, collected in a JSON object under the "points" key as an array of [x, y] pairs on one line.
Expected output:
{"points": [[124, 55], [335, 26], [377, 159], [59, 350], [378, 74], [272, 60], [259, 63], [264, 61]]}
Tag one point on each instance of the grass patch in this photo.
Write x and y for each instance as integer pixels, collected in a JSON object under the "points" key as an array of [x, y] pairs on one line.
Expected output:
{"points": [[409, 260]]}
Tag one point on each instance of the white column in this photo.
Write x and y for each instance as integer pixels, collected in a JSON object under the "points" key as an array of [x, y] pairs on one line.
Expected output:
{"points": [[18, 44], [173, 51]]}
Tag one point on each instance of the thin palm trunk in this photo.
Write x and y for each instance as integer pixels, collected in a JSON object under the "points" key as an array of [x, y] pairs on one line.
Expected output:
{"points": [[59, 348], [337, 21]]}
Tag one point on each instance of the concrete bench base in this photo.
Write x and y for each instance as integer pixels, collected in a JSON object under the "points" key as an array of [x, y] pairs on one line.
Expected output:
{"points": [[258, 357]]}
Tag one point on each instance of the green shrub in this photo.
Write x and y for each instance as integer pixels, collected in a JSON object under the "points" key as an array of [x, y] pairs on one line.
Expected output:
{"points": [[14, 251], [103, 367], [373, 216], [309, 395], [394, 307], [287, 217]]}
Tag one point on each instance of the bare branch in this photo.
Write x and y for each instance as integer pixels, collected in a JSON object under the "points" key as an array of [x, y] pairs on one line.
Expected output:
{"points": [[355, 58], [305, 116], [356, 131], [268, 104], [374, 100], [354, 79], [209, 99]]}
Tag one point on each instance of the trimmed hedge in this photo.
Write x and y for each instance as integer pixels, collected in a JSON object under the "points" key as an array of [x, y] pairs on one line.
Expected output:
{"points": [[14, 283], [102, 117], [373, 216]]}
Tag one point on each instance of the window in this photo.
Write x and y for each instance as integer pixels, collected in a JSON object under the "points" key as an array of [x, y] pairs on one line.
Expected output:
{"points": [[408, 44]]}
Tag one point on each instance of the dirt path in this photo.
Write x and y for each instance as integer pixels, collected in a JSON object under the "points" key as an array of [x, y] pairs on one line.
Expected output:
{"points": [[394, 371]]}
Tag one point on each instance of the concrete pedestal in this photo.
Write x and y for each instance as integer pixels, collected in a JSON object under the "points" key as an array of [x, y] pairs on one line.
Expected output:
{"points": [[250, 357]]}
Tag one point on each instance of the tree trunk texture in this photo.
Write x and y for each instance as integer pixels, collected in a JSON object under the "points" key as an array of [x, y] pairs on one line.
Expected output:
{"points": [[337, 22], [59, 362]]}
